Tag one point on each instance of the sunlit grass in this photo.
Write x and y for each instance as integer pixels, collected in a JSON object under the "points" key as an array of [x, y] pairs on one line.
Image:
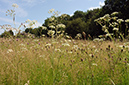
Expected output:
{"points": [[63, 62]]}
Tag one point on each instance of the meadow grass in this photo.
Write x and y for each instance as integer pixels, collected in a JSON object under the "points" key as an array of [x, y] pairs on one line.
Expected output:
{"points": [[63, 62]]}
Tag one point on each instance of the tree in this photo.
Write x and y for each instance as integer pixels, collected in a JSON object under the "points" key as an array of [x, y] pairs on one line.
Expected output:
{"points": [[120, 6], [79, 14], [75, 26]]}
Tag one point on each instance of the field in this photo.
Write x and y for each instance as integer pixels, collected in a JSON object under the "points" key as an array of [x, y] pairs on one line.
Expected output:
{"points": [[63, 62]]}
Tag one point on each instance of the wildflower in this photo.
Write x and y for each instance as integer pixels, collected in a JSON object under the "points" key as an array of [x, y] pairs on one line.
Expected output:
{"points": [[96, 39], [24, 49], [27, 82], [78, 36], [52, 27], [120, 20], [114, 13], [114, 18], [58, 50], [94, 64], [51, 10], [106, 17], [127, 20], [43, 35], [81, 59], [48, 45], [70, 52], [61, 26], [51, 19], [15, 5], [115, 29], [28, 20], [90, 55], [121, 46], [108, 34], [51, 32], [68, 37], [75, 47], [22, 44], [65, 44], [101, 36], [44, 28], [9, 50]]}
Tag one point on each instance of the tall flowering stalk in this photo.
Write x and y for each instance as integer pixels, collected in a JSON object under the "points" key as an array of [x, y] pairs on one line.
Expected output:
{"points": [[55, 24], [112, 21], [12, 13]]}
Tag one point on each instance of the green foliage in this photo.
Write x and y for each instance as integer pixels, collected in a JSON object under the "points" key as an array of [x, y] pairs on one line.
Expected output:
{"points": [[76, 26], [7, 34], [38, 32]]}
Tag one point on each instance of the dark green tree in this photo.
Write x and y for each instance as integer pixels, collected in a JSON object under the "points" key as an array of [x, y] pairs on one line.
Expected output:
{"points": [[76, 26]]}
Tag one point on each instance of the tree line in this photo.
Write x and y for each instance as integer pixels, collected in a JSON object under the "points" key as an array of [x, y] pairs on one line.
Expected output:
{"points": [[84, 21]]}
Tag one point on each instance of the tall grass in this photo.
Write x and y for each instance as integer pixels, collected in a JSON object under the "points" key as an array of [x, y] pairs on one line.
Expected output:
{"points": [[63, 62]]}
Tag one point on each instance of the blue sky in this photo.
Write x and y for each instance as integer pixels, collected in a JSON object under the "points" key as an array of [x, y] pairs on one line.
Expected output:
{"points": [[38, 9]]}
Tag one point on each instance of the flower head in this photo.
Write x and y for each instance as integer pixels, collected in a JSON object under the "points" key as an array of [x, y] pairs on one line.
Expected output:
{"points": [[60, 26], [120, 20], [52, 27], [115, 29], [15, 5], [114, 13], [51, 32], [127, 20]]}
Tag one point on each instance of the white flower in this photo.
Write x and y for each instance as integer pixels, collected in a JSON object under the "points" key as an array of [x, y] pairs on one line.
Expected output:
{"points": [[120, 20], [68, 37], [96, 39], [65, 44], [90, 55], [61, 26], [52, 27], [9, 50], [58, 50], [43, 35], [78, 36], [27, 82], [114, 13], [109, 34], [44, 28], [94, 64], [15, 5], [51, 10], [70, 52], [115, 29], [48, 45], [127, 20], [106, 16], [51, 32], [51, 19], [22, 44], [121, 46], [28, 20], [75, 47]]}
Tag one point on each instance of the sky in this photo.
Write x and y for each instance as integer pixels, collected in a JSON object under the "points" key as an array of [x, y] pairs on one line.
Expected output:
{"points": [[38, 9]]}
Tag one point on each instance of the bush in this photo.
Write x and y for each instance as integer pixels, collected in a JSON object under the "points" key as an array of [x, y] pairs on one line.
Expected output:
{"points": [[7, 34]]}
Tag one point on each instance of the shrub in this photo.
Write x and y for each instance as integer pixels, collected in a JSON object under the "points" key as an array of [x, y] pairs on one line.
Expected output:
{"points": [[7, 34]]}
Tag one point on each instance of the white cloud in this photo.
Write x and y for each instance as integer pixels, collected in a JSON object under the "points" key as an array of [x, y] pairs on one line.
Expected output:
{"points": [[100, 5], [8, 20]]}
